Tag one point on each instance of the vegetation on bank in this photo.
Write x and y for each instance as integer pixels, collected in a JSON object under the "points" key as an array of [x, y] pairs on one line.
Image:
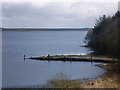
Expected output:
{"points": [[103, 38], [110, 80]]}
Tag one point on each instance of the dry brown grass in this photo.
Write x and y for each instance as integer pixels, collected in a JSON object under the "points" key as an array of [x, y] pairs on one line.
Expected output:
{"points": [[110, 80]]}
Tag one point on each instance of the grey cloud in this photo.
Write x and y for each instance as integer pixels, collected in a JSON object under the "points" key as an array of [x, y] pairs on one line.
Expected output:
{"points": [[54, 14]]}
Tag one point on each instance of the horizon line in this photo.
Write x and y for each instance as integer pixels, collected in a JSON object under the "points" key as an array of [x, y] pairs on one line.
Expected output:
{"points": [[44, 27]]}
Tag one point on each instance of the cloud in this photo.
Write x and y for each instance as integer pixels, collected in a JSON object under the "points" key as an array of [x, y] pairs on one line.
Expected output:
{"points": [[55, 14], [61, 1]]}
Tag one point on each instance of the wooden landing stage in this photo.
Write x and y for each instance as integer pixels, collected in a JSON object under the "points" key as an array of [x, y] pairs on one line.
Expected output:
{"points": [[74, 58]]}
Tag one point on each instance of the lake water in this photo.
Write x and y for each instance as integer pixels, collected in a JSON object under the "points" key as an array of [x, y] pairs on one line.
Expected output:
{"points": [[17, 72]]}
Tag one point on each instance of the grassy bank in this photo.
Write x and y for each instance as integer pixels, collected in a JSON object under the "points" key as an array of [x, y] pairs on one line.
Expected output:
{"points": [[109, 80]]}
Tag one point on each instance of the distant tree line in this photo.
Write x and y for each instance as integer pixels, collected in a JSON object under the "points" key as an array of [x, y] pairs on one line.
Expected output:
{"points": [[104, 37]]}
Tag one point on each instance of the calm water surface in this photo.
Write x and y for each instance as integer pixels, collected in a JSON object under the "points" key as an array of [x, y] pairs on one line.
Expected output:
{"points": [[17, 72]]}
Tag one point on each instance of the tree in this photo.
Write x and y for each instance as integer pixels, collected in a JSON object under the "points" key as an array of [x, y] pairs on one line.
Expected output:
{"points": [[104, 37]]}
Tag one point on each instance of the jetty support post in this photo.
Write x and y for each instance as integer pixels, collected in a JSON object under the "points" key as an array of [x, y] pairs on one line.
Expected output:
{"points": [[64, 58], [91, 59], [48, 56], [24, 57]]}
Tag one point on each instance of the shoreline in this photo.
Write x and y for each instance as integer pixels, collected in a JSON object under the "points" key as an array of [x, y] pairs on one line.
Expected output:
{"points": [[109, 80]]}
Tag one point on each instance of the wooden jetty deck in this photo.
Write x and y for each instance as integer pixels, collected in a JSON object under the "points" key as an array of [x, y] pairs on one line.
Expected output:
{"points": [[74, 58]]}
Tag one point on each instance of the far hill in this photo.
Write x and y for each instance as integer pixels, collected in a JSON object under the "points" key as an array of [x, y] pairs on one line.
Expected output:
{"points": [[45, 29]]}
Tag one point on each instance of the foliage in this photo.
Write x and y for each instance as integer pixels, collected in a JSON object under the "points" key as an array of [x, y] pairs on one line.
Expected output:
{"points": [[103, 38], [61, 80]]}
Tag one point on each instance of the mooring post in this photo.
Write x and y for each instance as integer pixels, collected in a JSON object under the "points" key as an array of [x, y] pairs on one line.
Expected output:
{"points": [[48, 56], [64, 57], [24, 57], [91, 59]]}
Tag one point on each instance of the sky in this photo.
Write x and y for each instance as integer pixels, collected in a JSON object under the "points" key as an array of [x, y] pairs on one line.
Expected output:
{"points": [[55, 14]]}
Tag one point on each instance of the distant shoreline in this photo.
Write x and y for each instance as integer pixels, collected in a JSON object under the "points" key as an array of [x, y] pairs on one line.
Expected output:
{"points": [[45, 29]]}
